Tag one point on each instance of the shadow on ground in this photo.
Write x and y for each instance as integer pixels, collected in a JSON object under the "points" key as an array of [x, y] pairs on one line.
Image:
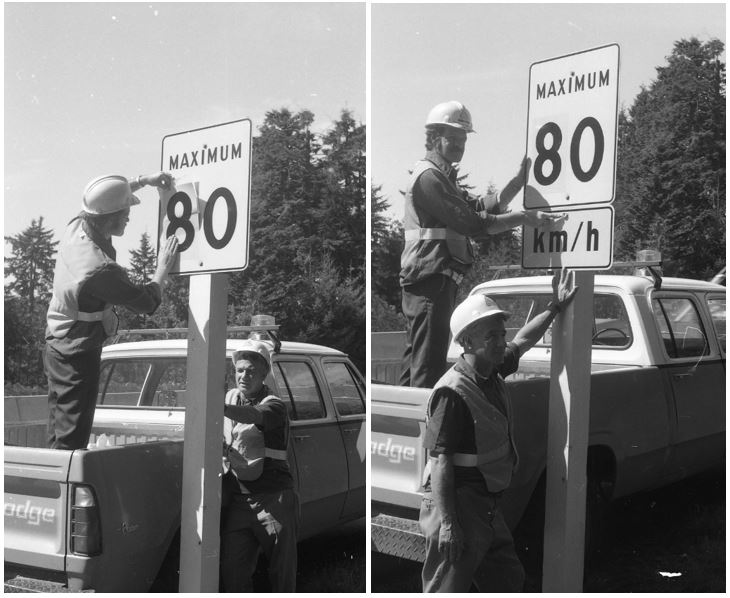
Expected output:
{"points": [[667, 540]]}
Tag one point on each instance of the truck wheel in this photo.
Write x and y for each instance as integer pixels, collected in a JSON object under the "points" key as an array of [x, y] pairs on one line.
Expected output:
{"points": [[168, 577]]}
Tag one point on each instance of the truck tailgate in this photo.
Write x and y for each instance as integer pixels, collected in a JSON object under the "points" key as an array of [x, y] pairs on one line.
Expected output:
{"points": [[398, 420], [36, 500]]}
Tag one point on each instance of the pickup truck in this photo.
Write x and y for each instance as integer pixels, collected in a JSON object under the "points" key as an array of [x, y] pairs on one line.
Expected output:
{"points": [[657, 403], [107, 518]]}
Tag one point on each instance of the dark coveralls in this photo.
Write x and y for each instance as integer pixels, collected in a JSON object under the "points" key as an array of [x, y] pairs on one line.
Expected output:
{"points": [[87, 282], [261, 514], [437, 254], [470, 418]]}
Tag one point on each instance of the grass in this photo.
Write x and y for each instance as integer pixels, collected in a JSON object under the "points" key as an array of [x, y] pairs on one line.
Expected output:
{"points": [[331, 562], [679, 529]]}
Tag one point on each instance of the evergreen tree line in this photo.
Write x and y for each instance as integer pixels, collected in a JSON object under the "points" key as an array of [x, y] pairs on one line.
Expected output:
{"points": [[670, 184], [306, 251]]}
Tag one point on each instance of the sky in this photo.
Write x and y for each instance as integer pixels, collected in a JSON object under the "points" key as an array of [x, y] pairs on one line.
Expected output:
{"points": [[92, 88], [480, 54]]}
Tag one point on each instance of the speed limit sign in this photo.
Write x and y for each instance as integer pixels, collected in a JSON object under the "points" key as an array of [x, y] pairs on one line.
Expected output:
{"points": [[208, 207], [571, 129], [571, 140]]}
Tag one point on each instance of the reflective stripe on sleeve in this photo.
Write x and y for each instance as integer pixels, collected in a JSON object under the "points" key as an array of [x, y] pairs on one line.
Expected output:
{"points": [[431, 234]]}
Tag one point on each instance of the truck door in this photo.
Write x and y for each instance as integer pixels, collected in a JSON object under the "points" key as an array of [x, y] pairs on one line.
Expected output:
{"points": [[321, 461], [36, 503], [347, 392], [697, 376]]}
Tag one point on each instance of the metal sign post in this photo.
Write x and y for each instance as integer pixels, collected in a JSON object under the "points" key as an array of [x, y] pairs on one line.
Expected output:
{"points": [[208, 211], [571, 140]]}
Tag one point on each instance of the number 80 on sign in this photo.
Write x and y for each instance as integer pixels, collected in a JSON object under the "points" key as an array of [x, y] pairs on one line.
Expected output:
{"points": [[203, 227]]}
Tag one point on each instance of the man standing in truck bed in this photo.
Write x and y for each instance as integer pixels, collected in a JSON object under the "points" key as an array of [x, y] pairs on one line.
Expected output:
{"points": [[472, 452], [87, 284], [439, 219]]}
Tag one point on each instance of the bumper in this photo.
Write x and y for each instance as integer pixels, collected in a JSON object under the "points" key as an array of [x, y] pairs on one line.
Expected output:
{"points": [[33, 580]]}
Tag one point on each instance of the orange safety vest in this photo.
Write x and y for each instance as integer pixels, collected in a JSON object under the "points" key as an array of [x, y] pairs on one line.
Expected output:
{"points": [[457, 245], [79, 258], [496, 456], [244, 446]]}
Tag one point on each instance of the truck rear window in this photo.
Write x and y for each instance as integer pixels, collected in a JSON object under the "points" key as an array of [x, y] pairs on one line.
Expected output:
{"points": [[611, 327], [143, 382]]}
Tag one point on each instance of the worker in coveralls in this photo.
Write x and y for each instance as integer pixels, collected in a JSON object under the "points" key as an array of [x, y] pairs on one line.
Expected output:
{"points": [[87, 284], [472, 451], [260, 508], [439, 219]]}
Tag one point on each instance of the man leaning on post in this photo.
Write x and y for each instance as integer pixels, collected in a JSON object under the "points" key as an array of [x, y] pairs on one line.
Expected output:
{"points": [[472, 451], [439, 219], [260, 507]]}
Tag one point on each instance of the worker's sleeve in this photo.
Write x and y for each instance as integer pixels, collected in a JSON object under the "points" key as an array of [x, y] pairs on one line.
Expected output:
{"points": [[274, 414], [112, 285], [433, 194], [450, 428]]}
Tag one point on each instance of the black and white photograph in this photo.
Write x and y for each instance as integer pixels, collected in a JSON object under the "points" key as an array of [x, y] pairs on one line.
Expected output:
{"points": [[547, 397], [365, 297], [185, 292]]}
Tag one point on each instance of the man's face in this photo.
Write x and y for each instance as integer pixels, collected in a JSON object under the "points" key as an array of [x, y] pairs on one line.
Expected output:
{"points": [[250, 376], [120, 223], [451, 144], [488, 341]]}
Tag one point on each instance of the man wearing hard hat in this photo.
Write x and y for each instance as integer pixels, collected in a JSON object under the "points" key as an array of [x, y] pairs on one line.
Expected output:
{"points": [[471, 449], [260, 506], [87, 284], [439, 219]]}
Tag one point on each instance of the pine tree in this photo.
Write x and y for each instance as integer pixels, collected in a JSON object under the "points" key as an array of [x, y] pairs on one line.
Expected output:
{"points": [[143, 261], [30, 266], [29, 271], [671, 164], [386, 242], [341, 213]]}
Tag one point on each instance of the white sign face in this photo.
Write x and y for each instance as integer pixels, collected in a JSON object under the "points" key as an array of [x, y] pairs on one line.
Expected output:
{"points": [[208, 208], [583, 241], [571, 129]]}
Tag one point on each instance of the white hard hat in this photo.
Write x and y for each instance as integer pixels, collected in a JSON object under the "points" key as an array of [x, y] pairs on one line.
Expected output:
{"points": [[108, 194], [249, 348], [451, 114], [473, 308]]}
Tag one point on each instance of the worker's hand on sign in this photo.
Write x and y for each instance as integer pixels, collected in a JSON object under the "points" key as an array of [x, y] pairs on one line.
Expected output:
{"points": [[161, 179], [524, 171], [539, 219], [451, 541], [166, 258], [564, 288]]}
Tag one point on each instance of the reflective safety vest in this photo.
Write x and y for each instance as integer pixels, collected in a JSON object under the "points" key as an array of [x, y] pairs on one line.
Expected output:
{"points": [[79, 258], [244, 448], [433, 249], [496, 456]]}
